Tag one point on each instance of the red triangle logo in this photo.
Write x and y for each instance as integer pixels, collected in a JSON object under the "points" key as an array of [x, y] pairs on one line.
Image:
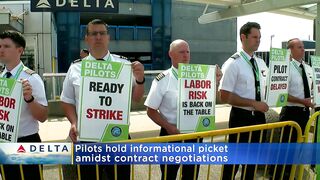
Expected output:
{"points": [[21, 149]]}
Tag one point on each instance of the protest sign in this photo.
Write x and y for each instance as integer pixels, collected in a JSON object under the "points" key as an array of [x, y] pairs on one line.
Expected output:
{"points": [[278, 78], [315, 62], [10, 108], [197, 94], [105, 100]]}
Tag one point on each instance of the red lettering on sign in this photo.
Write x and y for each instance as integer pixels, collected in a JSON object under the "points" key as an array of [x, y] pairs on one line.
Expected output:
{"points": [[104, 114]]}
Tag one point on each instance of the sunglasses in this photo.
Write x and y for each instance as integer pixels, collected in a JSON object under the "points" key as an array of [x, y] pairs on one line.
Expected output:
{"points": [[95, 33]]}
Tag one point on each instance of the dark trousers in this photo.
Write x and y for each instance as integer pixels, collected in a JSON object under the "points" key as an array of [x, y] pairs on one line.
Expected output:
{"points": [[316, 125], [187, 170], [239, 118], [301, 116], [31, 172], [88, 172]]}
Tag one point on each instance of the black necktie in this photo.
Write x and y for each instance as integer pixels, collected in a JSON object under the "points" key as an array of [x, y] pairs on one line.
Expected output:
{"points": [[8, 74], [100, 59], [305, 83], [256, 80]]}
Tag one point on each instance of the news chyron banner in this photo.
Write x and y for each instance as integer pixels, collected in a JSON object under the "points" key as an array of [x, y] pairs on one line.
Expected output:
{"points": [[315, 62], [35, 153], [196, 100], [105, 101], [278, 78], [10, 108], [196, 153]]}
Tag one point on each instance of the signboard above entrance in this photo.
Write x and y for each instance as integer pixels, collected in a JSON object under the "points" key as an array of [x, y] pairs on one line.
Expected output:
{"points": [[106, 6]]}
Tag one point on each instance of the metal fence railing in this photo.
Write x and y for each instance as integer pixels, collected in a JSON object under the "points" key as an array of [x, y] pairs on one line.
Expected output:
{"points": [[274, 133]]}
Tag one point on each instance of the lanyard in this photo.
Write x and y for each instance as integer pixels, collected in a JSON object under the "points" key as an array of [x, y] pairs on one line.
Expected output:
{"points": [[18, 72], [174, 73], [256, 70], [109, 57], [297, 68]]}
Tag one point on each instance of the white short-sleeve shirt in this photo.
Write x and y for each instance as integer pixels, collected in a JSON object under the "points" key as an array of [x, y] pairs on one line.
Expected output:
{"points": [[163, 95], [296, 88], [71, 84], [238, 77], [28, 124]]}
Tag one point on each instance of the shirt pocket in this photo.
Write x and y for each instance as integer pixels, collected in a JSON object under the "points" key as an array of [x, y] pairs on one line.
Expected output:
{"points": [[244, 81], [171, 99]]}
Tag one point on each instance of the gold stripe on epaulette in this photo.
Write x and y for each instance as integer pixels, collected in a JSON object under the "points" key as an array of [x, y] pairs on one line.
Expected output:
{"points": [[123, 57], [29, 71], [77, 60], [160, 76], [235, 56]]}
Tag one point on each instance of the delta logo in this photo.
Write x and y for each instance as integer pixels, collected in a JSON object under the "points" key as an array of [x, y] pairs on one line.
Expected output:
{"points": [[43, 148], [21, 149]]}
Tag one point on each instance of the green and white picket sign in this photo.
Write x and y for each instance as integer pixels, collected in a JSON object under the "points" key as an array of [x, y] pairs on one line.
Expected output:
{"points": [[278, 77], [197, 98], [315, 62], [105, 101], [10, 109]]}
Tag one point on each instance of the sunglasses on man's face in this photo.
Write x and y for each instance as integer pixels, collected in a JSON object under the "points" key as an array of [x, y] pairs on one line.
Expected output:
{"points": [[95, 33]]}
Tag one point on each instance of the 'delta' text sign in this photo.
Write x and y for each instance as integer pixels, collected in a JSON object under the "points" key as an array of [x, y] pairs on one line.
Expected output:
{"points": [[315, 62], [278, 79], [105, 100], [10, 108], [196, 104]]}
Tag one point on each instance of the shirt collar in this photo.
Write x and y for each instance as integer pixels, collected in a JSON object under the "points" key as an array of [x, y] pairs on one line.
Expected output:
{"points": [[14, 70], [297, 62], [175, 69], [104, 58], [247, 55]]}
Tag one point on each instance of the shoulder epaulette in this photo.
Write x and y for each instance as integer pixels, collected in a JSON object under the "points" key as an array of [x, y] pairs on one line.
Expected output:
{"points": [[29, 71], [121, 57], [235, 56], [77, 60], [160, 76]]}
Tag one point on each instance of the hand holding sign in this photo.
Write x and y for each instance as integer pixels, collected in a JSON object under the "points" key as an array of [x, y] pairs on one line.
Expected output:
{"points": [[27, 89], [308, 102], [73, 133], [218, 74], [260, 106], [138, 70], [172, 129]]}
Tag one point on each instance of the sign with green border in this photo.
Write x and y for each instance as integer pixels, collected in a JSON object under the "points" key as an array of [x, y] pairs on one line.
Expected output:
{"points": [[315, 62], [278, 78], [105, 101], [196, 101], [10, 109]]}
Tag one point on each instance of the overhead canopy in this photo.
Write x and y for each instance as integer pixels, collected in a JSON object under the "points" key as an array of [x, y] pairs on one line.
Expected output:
{"points": [[234, 8], [9, 22]]}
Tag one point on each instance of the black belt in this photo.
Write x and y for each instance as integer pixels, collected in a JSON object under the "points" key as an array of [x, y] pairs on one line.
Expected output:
{"points": [[30, 138], [298, 108], [252, 113]]}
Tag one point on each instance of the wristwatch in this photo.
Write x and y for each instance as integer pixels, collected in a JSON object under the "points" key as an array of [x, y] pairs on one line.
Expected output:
{"points": [[142, 82], [30, 100]]}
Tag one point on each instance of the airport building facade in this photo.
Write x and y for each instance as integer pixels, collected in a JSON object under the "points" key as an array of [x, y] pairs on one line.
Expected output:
{"points": [[139, 29]]}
